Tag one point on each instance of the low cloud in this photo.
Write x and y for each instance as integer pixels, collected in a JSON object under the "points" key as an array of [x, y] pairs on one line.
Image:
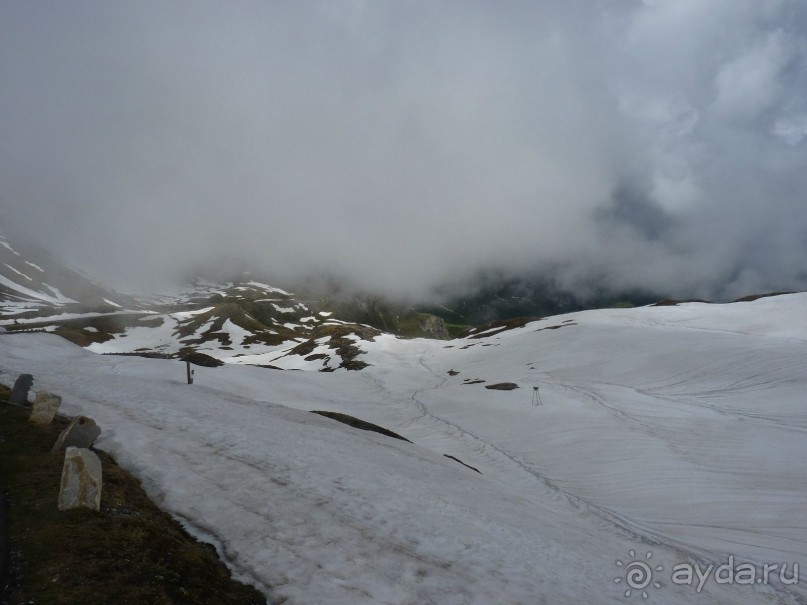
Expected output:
{"points": [[405, 145]]}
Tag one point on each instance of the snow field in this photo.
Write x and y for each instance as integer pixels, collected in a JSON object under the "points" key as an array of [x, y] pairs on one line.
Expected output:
{"points": [[676, 430]]}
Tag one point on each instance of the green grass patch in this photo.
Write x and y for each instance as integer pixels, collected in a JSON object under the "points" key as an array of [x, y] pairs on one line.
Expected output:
{"points": [[199, 359], [130, 552], [216, 318], [104, 326], [80, 336], [454, 330], [493, 328]]}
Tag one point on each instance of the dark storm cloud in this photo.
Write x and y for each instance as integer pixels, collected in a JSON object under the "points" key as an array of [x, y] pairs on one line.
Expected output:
{"points": [[656, 143], [633, 207]]}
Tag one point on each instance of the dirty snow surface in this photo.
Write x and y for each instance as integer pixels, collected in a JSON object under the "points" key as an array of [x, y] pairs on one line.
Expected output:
{"points": [[678, 431]]}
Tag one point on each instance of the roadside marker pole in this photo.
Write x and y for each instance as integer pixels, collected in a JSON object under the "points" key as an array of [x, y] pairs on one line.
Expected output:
{"points": [[536, 397]]}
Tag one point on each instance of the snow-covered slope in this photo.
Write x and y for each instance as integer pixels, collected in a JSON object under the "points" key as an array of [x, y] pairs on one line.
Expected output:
{"points": [[31, 279], [241, 322], [678, 431], [246, 322]]}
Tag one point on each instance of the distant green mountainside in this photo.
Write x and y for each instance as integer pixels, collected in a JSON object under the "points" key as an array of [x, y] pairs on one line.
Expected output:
{"points": [[509, 298]]}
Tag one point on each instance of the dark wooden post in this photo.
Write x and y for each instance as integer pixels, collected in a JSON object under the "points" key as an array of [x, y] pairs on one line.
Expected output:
{"points": [[190, 372]]}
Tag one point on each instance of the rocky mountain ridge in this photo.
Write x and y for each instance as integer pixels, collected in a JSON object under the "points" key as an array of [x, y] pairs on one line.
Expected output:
{"points": [[241, 321]]}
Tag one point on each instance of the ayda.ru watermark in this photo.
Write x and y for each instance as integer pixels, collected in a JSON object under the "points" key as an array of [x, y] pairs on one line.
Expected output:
{"points": [[640, 575]]}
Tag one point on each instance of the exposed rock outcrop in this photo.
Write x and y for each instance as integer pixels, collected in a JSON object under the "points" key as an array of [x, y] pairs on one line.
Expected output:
{"points": [[435, 327]]}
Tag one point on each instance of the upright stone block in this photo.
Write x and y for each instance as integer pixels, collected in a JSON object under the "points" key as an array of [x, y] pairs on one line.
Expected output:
{"points": [[45, 407], [19, 393], [81, 432], [81, 480]]}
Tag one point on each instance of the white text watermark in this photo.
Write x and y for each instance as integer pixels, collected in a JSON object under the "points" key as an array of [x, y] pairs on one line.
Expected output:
{"points": [[641, 575]]}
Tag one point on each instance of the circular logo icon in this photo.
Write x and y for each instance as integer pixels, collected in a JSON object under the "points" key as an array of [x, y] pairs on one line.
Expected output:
{"points": [[638, 574]]}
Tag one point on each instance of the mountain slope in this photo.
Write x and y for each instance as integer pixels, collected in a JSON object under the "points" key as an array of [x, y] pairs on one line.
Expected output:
{"points": [[245, 321], [674, 430], [32, 278]]}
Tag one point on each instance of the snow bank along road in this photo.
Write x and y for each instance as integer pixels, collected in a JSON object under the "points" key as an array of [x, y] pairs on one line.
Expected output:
{"points": [[678, 431]]}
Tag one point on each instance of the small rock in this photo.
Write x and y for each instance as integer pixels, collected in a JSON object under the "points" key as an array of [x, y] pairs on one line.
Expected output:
{"points": [[45, 407], [81, 480], [19, 393], [502, 386], [81, 432]]}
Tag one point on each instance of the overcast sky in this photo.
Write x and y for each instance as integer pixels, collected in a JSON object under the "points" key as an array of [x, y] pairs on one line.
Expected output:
{"points": [[655, 143]]}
